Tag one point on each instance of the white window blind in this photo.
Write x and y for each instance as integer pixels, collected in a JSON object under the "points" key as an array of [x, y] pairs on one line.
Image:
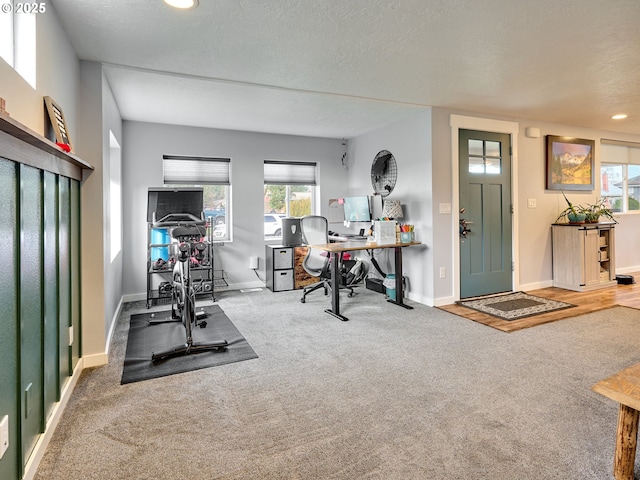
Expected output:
{"points": [[279, 172], [199, 170], [615, 151]]}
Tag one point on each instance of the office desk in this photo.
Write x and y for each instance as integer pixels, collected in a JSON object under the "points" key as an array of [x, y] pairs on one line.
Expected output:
{"points": [[335, 249]]}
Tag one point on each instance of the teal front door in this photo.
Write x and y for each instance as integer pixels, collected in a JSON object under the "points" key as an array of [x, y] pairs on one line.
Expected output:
{"points": [[485, 213]]}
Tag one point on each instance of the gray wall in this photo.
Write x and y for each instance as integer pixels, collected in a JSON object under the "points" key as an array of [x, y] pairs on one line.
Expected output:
{"points": [[410, 143], [101, 278], [143, 147]]}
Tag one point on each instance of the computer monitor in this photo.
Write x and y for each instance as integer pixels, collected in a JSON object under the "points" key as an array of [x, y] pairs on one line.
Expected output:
{"points": [[356, 209], [376, 206], [183, 201]]}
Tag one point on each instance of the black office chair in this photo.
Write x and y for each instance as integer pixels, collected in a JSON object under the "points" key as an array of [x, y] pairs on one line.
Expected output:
{"points": [[315, 230]]}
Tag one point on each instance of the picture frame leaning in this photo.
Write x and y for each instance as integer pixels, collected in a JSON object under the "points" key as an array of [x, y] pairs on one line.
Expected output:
{"points": [[58, 123], [570, 163]]}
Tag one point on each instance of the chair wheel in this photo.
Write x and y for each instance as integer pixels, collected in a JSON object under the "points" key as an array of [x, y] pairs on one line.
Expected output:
{"points": [[203, 324], [302, 300], [351, 294]]}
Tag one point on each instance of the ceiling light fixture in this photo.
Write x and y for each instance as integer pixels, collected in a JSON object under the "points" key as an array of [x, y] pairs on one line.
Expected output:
{"points": [[619, 116], [182, 4]]}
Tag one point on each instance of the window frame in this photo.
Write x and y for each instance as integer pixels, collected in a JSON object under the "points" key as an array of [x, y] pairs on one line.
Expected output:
{"points": [[619, 154], [18, 38], [291, 175], [205, 172]]}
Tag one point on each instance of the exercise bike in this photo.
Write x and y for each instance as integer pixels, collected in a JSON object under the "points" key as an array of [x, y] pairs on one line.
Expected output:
{"points": [[183, 294]]}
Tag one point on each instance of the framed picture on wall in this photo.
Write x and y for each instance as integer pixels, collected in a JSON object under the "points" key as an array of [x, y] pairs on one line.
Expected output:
{"points": [[570, 163]]}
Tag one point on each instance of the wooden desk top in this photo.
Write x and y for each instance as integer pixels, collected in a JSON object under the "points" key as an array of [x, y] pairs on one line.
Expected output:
{"points": [[350, 246], [623, 387]]}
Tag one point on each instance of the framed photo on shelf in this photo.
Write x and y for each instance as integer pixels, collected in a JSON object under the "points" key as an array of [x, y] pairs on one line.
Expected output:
{"points": [[58, 123], [570, 163]]}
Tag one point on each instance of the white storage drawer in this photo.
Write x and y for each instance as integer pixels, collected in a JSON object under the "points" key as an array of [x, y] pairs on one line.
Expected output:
{"points": [[282, 280]]}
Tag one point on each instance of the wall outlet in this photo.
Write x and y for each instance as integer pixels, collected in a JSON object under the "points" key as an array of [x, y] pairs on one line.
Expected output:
{"points": [[253, 263], [4, 435], [443, 272]]}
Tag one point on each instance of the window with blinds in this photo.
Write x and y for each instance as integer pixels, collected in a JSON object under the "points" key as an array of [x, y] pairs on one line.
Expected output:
{"points": [[200, 170], [620, 175], [289, 191], [213, 174]]}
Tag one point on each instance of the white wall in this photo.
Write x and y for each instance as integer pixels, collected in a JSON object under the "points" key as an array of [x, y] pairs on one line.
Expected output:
{"points": [[410, 143], [143, 147], [57, 76], [111, 123]]}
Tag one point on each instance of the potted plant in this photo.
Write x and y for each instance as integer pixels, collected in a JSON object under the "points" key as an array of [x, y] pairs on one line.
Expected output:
{"points": [[594, 211], [572, 213]]}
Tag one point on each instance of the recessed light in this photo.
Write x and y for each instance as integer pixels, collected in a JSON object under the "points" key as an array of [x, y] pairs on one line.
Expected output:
{"points": [[619, 116], [182, 4]]}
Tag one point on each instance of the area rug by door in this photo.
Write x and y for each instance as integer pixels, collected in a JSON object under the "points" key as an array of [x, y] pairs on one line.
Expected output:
{"points": [[514, 306], [145, 339]]}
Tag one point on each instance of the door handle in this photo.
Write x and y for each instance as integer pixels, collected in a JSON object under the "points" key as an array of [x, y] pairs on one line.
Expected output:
{"points": [[463, 226]]}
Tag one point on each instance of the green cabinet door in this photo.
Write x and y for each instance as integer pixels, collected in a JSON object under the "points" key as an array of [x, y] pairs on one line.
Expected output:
{"points": [[50, 294], [31, 311], [10, 466]]}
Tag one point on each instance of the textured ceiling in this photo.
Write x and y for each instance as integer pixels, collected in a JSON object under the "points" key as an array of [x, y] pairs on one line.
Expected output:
{"points": [[339, 68]]}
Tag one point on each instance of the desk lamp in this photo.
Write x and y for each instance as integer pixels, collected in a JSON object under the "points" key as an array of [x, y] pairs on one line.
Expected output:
{"points": [[392, 209]]}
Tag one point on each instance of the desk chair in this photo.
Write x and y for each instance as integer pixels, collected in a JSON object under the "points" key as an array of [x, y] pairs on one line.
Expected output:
{"points": [[315, 230]]}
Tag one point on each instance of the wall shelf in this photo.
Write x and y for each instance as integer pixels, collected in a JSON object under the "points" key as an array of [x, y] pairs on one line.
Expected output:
{"points": [[15, 135]]}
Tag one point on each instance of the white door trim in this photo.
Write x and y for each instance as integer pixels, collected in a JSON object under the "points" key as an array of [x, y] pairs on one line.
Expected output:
{"points": [[458, 122]]}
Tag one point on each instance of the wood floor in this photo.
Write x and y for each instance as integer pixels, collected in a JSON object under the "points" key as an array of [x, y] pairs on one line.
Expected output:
{"points": [[624, 295]]}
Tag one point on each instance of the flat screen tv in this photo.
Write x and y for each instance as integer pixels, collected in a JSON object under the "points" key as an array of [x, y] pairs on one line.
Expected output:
{"points": [[184, 202], [356, 209]]}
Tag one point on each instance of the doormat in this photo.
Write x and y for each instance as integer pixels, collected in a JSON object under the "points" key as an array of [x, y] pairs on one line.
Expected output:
{"points": [[513, 306], [145, 339]]}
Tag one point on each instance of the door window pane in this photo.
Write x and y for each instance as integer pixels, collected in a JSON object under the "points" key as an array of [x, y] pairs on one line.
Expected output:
{"points": [[492, 149], [476, 165], [484, 157], [476, 147], [492, 165]]}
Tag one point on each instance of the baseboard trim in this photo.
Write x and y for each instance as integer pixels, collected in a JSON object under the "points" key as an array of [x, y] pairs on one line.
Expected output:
{"points": [[112, 329], [96, 360], [41, 445], [627, 270], [535, 286], [439, 302]]}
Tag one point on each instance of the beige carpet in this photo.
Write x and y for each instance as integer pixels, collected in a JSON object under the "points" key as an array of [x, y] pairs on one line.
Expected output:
{"points": [[391, 394]]}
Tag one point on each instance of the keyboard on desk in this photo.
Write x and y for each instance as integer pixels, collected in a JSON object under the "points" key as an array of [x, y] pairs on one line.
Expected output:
{"points": [[346, 237]]}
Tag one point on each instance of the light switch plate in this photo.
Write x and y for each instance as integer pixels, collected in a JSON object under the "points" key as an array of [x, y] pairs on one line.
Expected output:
{"points": [[444, 208], [531, 203]]}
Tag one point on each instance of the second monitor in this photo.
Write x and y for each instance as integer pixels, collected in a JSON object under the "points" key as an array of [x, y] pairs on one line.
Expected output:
{"points": [[356, 209]]}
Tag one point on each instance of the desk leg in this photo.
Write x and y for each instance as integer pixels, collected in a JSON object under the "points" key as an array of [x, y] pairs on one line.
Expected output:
{"points": [[335, 287], [626, 440], [398, 267]]}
